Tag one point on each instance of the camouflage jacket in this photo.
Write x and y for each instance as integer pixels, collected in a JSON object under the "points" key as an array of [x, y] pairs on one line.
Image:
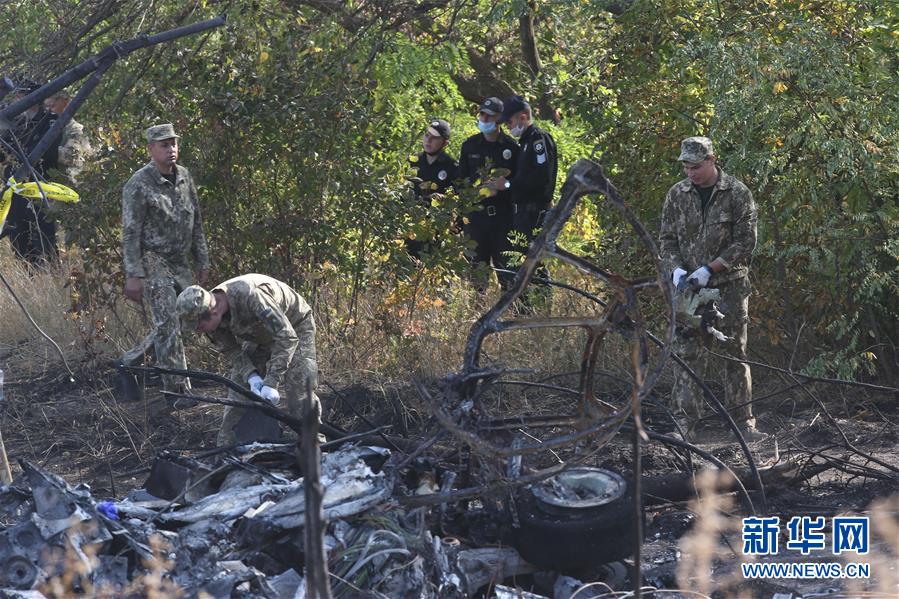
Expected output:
{"points": [[265, 313], [74, 149], [161, 219], [726, 230]]}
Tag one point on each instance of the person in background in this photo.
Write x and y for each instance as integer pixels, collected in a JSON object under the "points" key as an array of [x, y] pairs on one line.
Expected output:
{"points": [[162, 233], [31, 231], [436, 170], [708, 234], [533, 183], [489, 224]]}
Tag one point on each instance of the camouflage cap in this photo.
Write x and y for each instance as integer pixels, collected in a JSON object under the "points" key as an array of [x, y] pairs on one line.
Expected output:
{"points": [[696, 149], [160, 132], [192, 304]]}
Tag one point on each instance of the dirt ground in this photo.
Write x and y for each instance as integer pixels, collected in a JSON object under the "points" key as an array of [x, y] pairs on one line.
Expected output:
{"points": [[83, 432]]}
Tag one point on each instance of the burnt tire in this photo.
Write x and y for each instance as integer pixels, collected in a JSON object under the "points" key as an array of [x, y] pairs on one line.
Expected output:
{"points": [[565, 539]]}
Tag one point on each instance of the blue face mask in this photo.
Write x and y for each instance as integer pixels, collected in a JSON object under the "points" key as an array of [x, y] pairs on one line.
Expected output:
{"points": [[488, 127]]}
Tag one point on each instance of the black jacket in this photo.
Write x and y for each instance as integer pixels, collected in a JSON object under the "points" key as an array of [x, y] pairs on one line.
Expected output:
{"points": [[534, 182], [29, 132], [443, 172], [477, 151]]}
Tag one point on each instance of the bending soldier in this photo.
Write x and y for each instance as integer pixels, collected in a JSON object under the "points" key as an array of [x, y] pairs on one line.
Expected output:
{"points": [[267, 331], [74, 146]]}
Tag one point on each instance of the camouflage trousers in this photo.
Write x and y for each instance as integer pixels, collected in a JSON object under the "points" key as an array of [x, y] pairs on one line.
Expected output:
{"points": [[302, 368], [161, 289], [694, 348]]}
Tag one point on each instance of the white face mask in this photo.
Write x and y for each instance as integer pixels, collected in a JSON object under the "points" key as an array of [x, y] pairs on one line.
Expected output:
{"points": [[516, 131]]}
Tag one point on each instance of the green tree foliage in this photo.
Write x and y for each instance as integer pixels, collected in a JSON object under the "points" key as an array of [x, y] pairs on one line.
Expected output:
{"points": [[298, 119]]}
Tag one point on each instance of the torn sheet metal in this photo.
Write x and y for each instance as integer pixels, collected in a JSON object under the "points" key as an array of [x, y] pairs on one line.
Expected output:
{"points": [[504, 592], [350, 488], [230, 504]]}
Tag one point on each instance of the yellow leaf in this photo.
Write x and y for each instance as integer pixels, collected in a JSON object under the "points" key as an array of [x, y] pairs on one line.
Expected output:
{"points": [[263, 56], [413, 158], [872, 147], [780, 87], [465, 220], [484, 192]]}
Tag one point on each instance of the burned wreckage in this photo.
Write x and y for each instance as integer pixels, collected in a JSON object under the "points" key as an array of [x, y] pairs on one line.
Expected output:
{"points": [[378, 515], [452, 514]]}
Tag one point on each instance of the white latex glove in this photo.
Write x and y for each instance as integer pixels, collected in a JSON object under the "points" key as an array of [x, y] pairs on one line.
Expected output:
{"points": [[700, 277], [255, 383], [677, 275], [271, 395]]}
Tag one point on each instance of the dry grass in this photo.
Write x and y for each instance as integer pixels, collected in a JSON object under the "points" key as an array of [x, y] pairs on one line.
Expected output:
{"points": [[77, 563], [711, 552], [415, 327], [86, 334]]}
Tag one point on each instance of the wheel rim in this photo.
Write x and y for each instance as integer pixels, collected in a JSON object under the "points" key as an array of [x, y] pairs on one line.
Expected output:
{"points": [[581, 487]]}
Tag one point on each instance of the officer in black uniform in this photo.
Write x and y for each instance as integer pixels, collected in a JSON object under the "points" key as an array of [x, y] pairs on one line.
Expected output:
{"points": [[436, 170], [534, 180], [489, 224], [31, 232]]}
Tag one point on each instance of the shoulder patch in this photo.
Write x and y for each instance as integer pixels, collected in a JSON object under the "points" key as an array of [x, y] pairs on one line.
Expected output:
{"points": [[538, 147], [441, 175], [271, 320]]}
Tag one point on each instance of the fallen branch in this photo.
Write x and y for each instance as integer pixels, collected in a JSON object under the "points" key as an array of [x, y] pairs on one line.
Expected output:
{"points": [[683, 487], [815, 379]]}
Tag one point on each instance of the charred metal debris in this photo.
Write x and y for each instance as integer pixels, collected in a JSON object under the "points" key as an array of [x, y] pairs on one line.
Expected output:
{"points": [[483, 503], [379, 515]]}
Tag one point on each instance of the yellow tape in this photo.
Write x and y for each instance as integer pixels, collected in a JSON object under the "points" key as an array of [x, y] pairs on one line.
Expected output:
{"points": [[32, 191]]}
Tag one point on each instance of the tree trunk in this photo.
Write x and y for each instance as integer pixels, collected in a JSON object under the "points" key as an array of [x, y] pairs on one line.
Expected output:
{"points": [[531, 56]]}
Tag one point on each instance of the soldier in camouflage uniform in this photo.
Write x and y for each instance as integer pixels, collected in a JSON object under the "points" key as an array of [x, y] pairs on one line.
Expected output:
{"points": [[708, 234], [74, 146], [268, 332], [161, 232]]}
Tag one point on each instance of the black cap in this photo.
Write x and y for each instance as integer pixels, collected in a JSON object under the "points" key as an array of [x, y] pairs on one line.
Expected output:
{"points": [[492, 106], [512, 106], [24, 85], [440, 128]]}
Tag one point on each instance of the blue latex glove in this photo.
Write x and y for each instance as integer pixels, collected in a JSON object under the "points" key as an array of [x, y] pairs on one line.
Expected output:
{"points": [[108, 510]]}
